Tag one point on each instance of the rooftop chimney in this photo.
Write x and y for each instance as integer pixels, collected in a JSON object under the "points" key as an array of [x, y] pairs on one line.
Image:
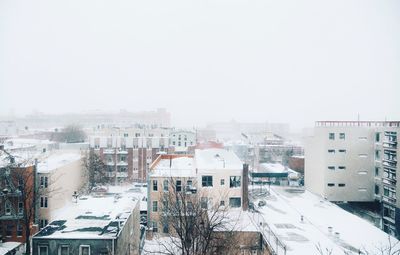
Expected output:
{"points": [[245, 187]]}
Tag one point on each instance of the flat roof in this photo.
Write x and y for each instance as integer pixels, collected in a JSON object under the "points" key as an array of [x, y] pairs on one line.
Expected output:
{"points": [[282, 215], [57, 160], [98, 216], [356, 123], [209, 159], [173, 166]]}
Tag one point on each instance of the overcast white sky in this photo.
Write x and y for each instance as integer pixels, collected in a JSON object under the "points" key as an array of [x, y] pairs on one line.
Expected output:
{"points": [[251, 60]]}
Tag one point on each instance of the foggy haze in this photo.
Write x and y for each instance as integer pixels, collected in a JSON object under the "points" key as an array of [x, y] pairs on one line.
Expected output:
{"points": [[252, 61]]}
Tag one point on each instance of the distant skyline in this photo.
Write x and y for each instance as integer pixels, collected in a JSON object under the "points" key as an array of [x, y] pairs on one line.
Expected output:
{"points": [[204, 61]]}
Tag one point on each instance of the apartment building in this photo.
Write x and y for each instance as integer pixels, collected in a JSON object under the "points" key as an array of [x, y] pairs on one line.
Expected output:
{"points": [[60, 176], [217, 175], [356, 161], [128, 156], [182, 141]]}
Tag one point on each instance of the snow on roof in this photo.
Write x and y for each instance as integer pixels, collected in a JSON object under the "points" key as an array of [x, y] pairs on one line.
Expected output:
{"points": [[182, 166], [93, 217], [282, 214], [8, 246], [209, 159], [272, 168], [57, 160]]}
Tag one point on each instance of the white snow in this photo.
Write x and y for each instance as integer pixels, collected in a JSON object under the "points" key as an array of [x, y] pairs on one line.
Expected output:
{"points": [[175, 167], [57, 160], [8, 246], [211, 159], [116, 205], [282, 216]]}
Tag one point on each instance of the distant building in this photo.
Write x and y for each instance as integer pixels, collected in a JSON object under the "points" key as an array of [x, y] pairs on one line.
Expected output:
{"points": [[297, 163], [128, 153], [182, 141], [356, 161], [106, 224]]}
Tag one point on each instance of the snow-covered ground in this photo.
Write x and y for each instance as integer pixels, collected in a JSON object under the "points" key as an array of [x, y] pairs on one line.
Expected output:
{"points": [[300, 221]]}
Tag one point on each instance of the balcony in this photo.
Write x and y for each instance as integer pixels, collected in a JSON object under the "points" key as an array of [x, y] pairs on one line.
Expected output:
{"points": [[110, 163], [109, 151], [122, 163], [389, 200], [389, 145], [122, 174], [389, 181], [110, 174], [122, 152]]}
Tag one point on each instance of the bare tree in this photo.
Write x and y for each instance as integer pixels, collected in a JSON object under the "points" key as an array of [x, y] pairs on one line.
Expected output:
{"points": [[95, 169], [70, 134], [192, 223]]}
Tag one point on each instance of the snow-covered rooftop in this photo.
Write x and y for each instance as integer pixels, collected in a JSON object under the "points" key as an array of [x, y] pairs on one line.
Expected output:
{"points": [[93, 217], [324, 224], [57, 160], [173, 166], [8, 246], [209, 159], [272, 168]]}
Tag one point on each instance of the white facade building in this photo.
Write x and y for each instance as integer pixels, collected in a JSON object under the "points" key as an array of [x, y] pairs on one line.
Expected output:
{"points": [[356, 161]]}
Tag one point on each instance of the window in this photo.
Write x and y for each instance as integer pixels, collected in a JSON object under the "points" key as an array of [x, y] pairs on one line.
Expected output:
{"points": [[43, 223], [63, 250], [342, 136], [222, 182], [331, 184], [376, 171], [235, 201], [331, 151], [331, 167], [165, 228], [189, 183], [122, 158], [155, 186], [376, 189], [331, 136], [377, 137], [207, 181], [342, 151], [222, 203], [155, 206], [20, 208], [9, 230], [155, 227], [165, 185], [126, 134], [342, 167], [84, 250], [341, 184], [234, 181], [377, 154], [8, 208], [178, 185], [204, 203], [43, 202], [43, 181], [19, 230], [43, 250]]}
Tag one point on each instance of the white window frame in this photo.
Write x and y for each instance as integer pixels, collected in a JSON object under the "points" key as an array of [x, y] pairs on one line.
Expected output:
{"points": [[45, 246], [83, 246], [62, 246]]}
